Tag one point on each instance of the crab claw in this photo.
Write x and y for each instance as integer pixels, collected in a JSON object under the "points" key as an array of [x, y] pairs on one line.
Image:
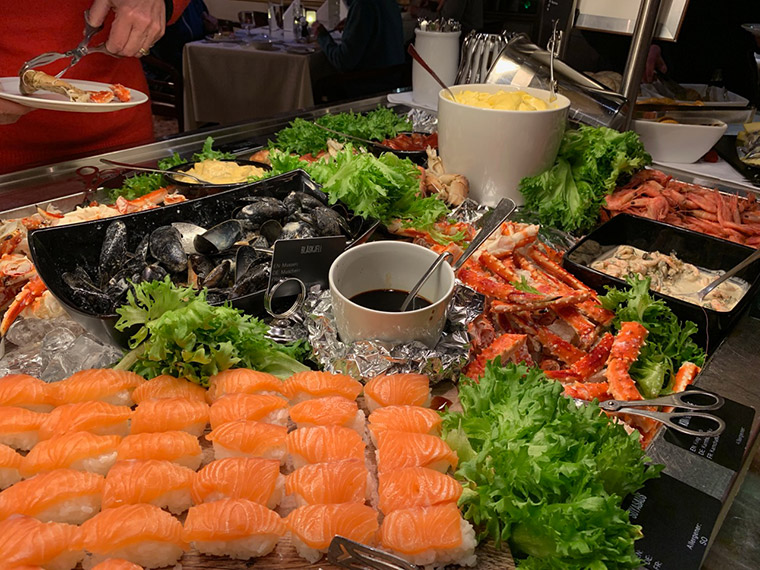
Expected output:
{"points": [[26, 297]]}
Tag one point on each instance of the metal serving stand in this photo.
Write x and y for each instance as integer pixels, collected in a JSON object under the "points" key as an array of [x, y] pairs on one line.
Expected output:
{"points": [[733, 370]]}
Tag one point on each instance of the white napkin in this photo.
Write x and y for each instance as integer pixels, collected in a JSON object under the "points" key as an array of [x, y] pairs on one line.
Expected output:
{"points": [[323, 17]]}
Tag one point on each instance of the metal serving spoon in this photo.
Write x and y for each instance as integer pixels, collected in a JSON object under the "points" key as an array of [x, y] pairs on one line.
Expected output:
{"points": [[156, 170], [502, 211], [702, 293]]}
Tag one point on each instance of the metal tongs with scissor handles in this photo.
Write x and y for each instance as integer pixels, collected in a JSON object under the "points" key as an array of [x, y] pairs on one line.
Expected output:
{"points": [[695, 402], [75, 54]]}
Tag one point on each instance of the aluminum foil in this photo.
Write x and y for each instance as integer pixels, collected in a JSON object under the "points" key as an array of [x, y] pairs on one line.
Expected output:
{"points": [[438, 25], [366, 359], [423, 121]]}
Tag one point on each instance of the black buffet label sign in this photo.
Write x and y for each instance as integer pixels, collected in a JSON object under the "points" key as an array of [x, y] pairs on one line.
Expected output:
{"points": [[728, 448], [308, 259], [676, 520]]}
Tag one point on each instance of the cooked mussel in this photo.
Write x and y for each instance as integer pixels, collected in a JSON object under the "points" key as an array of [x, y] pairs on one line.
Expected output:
{"points": [[113, 250], [296, 201], [254, 280], [218, 239], [219, 277], [187, 234], [200, 264], [166, 247], [328, 222], [260, 211], [245, 258]]}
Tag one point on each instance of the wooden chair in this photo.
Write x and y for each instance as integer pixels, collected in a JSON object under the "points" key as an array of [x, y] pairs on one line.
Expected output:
{"points": [[166, 89]]}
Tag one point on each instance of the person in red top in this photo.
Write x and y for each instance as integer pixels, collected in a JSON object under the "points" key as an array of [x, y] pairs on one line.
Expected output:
{"points": [[30, 137]]}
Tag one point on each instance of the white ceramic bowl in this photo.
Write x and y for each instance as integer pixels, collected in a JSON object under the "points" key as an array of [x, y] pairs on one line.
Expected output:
{"points": [[496, 149], [389, 265], [686, 141]]}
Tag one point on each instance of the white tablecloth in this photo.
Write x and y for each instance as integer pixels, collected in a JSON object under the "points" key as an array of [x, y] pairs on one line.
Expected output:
{"points": [[227, 83]]}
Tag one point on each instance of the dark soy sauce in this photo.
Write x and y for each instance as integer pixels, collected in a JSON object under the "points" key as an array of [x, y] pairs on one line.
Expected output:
{"points": [[388, 300]]}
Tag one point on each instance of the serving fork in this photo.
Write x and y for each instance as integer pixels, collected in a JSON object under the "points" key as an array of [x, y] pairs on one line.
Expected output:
{"points": [[75, 54]]}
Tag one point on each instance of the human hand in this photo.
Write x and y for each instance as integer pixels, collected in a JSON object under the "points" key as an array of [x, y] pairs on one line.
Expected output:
{"points": [[10, 112], [316, 28], [138, 24], [654, 63]]}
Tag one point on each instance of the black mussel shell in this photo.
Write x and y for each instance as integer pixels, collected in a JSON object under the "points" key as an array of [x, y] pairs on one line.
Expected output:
{"points": [[152, 272], [166, 247], [254, 280], [328, 222], [219, 277], [258, 212], [113, 250], [245, 258], [200, 264], [220, 238], [297, 230]]}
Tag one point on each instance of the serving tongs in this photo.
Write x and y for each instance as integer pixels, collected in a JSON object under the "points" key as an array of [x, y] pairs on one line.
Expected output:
{"points": [[356, 556], [696, 402], [75, 54]]}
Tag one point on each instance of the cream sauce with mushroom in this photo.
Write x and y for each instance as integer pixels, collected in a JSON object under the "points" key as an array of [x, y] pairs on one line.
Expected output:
{"points": [[671, 276]]}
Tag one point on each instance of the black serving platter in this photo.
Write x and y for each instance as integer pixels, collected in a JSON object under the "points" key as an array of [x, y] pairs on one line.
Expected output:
{"points": [[692, 247], [61, 249], [416, 156]]}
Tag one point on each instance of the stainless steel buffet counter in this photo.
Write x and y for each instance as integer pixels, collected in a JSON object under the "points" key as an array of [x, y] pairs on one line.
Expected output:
{"points": [[733, 369]]}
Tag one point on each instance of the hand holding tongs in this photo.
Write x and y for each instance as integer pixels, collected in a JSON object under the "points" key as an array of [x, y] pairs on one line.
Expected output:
{"points": [[354, 555], [75, 54], [677, 400]]}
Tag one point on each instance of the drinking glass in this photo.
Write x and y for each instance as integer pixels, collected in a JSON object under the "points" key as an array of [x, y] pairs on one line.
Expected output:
{"points": [[247, 22], [275, 14]]}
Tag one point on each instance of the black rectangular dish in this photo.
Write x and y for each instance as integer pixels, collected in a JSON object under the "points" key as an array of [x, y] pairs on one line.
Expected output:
{"points": [[60, 250], [691, 247]]}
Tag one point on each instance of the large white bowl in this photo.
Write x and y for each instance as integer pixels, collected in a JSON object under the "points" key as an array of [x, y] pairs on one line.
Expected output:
{"points": [[389, 265], [686, 141], [496, 149]]}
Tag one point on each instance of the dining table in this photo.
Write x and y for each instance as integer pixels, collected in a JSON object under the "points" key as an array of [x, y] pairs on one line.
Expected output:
{"points": [[240, 77]]}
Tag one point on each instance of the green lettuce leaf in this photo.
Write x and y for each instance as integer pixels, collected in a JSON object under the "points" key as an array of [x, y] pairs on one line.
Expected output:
{"points": [[589, 164], [542, 473], [175, 331]]}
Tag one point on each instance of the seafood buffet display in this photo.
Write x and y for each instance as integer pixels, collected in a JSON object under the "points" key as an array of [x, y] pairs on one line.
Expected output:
{"points": [[211, 441]]}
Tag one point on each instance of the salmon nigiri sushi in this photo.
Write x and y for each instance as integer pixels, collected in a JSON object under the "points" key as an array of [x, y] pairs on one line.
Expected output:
{"points": [[170, 414], [102, 384], [24, 391], [63, 495], [152, 481], [434, 536], [244, 438], [252, 478], [254, 407], [79, 450], [10, 467], [20, 428], [237, 528], [329, 411], [143, 534], [415, 487], [96, 417], [166, 386], [411, 419], [117, 564], [398, 449], [177, 446], [27, 541], [346, 481], [322, 444], [311, 384], [313, 527], [243, 381], [397, 390]]}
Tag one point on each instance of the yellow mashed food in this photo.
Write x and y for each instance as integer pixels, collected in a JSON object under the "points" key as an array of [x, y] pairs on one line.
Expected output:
{"points": [[221, 172], [503, 100]]}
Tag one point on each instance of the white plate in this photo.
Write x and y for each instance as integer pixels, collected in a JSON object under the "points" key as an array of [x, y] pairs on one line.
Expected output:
{"points": [[731, 99], [9, 89]]}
